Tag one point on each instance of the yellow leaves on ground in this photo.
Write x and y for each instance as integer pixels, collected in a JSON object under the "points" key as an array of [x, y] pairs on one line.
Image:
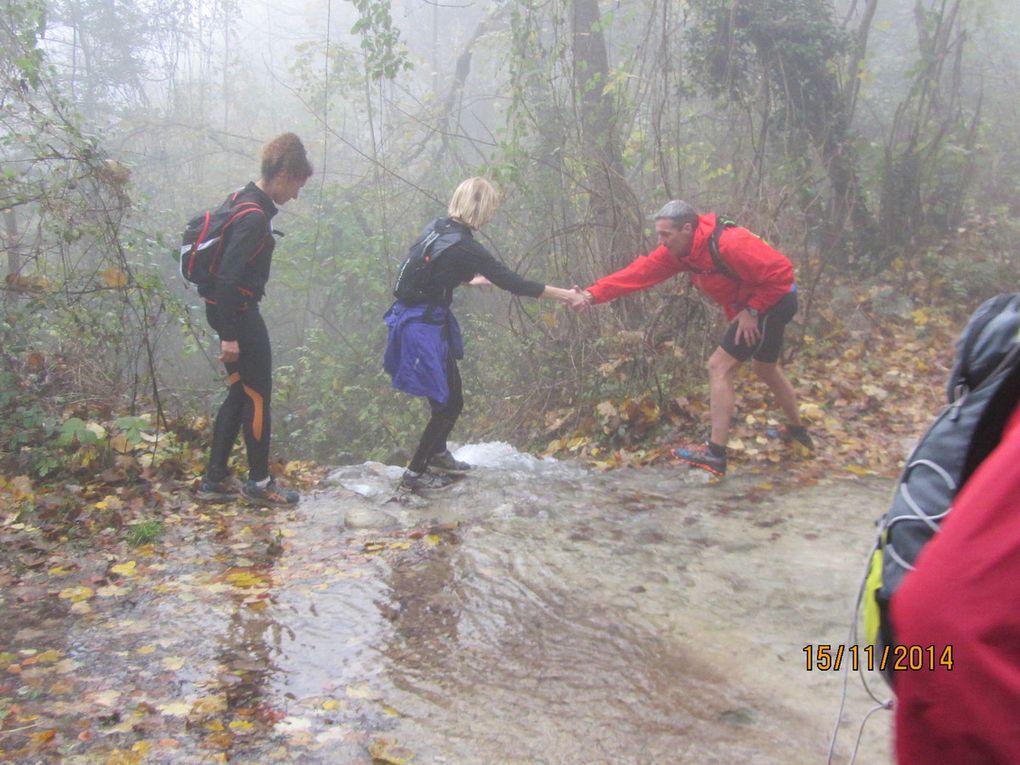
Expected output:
{"points": [[385, 751], [136, 755], [77, 594], [175, 709], [858, 470], [812, 412], [173, 663], [19, 487], [246, 578], [43, 737], [207, 706], [124, 569], [46, 657], [107, 699], [873, 391], [568, 444]]}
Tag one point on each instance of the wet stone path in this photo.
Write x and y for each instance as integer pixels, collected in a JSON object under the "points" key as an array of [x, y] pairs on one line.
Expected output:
{"points": [[535, 613]]}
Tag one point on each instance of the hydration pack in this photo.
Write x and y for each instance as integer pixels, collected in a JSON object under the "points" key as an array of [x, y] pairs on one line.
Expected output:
{"points": [[721, 224], [982, 391], [204, 239], [413, 279]]}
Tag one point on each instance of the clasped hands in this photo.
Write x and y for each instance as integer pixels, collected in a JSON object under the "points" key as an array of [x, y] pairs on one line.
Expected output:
{"points": [[575, 297], [578, 299]]}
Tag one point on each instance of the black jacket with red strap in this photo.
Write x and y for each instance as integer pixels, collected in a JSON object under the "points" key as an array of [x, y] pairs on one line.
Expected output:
{"points": [[244, 269]]}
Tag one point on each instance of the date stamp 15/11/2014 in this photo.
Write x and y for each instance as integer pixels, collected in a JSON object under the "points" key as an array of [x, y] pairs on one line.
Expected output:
{"points": [[824, 657]]}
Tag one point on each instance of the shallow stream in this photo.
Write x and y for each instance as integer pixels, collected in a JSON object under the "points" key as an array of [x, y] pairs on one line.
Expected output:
{"points": [[537, 612]]}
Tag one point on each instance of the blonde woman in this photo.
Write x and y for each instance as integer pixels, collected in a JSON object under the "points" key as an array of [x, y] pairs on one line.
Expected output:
{"points": [[424, 340]]}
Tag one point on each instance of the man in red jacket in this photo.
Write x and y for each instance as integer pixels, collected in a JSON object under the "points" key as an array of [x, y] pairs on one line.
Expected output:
{"points": [[754, 285]]}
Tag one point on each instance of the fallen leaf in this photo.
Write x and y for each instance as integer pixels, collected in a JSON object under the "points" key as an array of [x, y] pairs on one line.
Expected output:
{"points": [[124, 569], [77, 594]]}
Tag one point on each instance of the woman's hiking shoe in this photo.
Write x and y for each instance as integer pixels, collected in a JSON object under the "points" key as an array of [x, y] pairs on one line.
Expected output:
{"points": [[226, 490], [447, 463], [798, 436], [425, 482], [270, 495], [702, 458]]}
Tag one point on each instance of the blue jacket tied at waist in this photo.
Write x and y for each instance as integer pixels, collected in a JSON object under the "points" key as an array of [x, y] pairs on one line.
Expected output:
{"points": [[419, 339]]}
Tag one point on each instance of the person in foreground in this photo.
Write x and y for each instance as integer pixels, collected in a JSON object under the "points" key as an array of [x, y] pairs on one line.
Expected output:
{"points": [[963, 597], [754, 285], [424, 340], [232, 309]]}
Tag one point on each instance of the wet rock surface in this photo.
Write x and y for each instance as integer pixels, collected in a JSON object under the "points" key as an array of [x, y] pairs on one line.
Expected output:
{"points": [[536, 612]]}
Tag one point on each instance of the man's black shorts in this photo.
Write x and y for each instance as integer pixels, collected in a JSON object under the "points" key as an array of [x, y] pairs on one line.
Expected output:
{"points": [[772, 325]]}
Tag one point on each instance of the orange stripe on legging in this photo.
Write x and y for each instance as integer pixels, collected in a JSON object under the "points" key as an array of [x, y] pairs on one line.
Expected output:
{"points": [[256, 420], [236, 377]]}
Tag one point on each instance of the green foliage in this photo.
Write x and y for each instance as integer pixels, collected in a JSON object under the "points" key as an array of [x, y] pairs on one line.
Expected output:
{"points": [[23, 24], [385, 56], [144, 532]]}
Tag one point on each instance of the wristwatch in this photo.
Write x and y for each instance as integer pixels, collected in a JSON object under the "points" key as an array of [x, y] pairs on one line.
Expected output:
{"points": [[753, 312]]}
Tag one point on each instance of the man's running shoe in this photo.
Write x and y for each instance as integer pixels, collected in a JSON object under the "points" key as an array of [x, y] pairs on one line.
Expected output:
{"points": [[226, 490], [424, 483], [702, 458], [447, 463], [792, 434], [270, 495]]}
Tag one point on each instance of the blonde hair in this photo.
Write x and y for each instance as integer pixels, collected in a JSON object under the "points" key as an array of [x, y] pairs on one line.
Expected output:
{"points": [[285, 155], [474, 202]]}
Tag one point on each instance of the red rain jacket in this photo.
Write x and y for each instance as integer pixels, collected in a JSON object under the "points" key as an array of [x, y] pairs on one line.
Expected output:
{"points": [[766, 275], [965, 593]]}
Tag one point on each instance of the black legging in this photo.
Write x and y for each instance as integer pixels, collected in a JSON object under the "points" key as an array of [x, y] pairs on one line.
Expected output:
{"points": [[247, 403], [444, 417]]}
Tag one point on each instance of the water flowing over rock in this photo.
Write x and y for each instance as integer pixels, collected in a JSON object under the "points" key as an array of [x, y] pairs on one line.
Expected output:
{"points": [[536, 612]]}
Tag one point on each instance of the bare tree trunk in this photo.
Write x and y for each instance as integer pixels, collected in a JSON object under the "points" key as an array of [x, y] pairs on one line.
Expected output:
{"points": [[13, 245], [614, 211]]}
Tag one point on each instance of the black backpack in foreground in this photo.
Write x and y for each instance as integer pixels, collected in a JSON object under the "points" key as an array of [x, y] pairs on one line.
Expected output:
{"points": [[412, 286], [983, 389], [204, 239]]}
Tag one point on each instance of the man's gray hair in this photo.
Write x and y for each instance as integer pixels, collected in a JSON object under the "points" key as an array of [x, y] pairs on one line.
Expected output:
{"points": [[679, 212]]}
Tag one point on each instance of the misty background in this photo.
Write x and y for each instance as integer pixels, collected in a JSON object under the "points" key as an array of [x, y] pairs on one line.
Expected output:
{"points": [[875, 143]]}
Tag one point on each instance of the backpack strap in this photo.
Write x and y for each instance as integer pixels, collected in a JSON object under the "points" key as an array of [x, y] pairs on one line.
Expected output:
{"points": [[721, 223]]}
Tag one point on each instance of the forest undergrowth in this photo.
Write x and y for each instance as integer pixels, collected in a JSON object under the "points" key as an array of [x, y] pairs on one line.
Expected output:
{"points": [[869, 374]]}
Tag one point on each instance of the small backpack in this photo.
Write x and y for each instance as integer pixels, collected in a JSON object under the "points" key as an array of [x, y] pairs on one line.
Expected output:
{"points": [[983, 389], [204, 239], [721, 224], [412, 285]]}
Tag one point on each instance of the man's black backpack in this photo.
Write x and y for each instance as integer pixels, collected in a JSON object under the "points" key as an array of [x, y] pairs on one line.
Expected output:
{"points": [[204, 239], [983, 390], [721, 224], [412, 286]]}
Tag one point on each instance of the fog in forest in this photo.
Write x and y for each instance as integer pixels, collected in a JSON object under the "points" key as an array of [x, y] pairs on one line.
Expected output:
{"points": [[874, 143]]}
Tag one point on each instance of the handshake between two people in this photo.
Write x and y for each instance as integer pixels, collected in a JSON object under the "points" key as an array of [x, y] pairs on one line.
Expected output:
{"points": [[578, 299]]}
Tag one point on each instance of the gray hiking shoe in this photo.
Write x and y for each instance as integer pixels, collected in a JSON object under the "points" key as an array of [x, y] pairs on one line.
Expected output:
{"points": [[424, 483], [226, 490], [446, 462], [702, 458], [270, 495]]}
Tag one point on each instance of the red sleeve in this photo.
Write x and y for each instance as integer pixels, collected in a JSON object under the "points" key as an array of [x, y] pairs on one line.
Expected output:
{"points": [[646, 271], [965, 593], [765, 273]]}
